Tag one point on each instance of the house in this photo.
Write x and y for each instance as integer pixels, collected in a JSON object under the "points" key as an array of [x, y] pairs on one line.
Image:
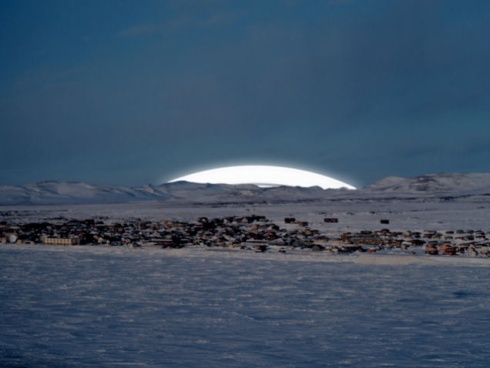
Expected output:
{"points": [[59, 241]]}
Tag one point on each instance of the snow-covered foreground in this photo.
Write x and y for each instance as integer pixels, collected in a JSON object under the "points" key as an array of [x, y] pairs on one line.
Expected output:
{"points": [[117, 307]]}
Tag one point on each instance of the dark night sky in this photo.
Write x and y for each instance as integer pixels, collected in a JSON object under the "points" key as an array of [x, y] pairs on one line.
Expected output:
{"points": [[132, 92]]}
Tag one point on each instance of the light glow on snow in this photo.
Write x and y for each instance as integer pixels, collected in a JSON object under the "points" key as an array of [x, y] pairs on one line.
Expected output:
{"points": [[264, 175]]}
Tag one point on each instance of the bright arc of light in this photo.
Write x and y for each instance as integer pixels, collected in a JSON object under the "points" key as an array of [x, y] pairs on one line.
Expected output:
{"points": [[264, 176]]}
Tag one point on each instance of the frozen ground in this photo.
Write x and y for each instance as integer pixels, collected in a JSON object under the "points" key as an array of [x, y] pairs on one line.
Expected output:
{"points": [[353, 214], [117, 307]]}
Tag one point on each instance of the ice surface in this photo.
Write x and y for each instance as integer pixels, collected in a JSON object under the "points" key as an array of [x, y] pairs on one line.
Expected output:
{"points": [[116, 307]]}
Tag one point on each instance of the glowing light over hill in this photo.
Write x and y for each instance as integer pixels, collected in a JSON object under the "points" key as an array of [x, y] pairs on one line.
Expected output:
{"points": [[263, 175]]}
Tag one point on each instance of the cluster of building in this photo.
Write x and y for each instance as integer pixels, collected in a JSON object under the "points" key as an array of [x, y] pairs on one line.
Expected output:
{"points": [[242, 232], [450, 243], [230, 232]]}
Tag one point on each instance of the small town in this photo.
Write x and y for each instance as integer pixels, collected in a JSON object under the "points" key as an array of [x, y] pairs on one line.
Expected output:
{"points": [[255, 233]]}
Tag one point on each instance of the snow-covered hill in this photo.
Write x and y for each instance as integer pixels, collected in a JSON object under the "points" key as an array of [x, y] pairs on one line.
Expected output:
{"points": [[52, 192], [434, 183]]}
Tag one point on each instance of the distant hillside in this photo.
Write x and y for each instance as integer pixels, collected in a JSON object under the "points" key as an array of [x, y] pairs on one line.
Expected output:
{"points": [[434, 183], [52, 192]]}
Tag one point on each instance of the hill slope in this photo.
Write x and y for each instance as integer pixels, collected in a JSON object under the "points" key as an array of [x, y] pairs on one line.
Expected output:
{"points": [[433, 183], [52, 192]]}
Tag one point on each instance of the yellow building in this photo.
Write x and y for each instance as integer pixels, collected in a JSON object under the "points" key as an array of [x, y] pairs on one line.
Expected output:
{"points": [[60, 241]]}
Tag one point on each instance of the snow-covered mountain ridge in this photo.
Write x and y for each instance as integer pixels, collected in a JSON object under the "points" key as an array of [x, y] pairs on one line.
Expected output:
{"points": [[52, 192], [433, 183]]}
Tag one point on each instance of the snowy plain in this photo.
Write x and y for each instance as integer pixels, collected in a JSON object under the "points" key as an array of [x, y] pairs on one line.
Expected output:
{"points": [[106, 307], [100, 306]]}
